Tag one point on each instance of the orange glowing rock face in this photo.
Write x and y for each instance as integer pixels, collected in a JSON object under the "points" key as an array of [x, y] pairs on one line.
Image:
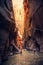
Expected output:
{"points": [[18, 9]]}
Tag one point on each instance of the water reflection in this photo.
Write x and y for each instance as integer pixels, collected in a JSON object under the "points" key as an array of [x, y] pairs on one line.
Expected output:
{"points": [[26, 58]]}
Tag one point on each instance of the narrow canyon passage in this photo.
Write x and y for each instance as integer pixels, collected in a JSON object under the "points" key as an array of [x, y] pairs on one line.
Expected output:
{"points": [[19, 13]]}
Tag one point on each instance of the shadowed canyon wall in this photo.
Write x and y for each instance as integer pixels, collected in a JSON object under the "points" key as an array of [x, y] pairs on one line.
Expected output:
{"points": [[34, 21]]}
